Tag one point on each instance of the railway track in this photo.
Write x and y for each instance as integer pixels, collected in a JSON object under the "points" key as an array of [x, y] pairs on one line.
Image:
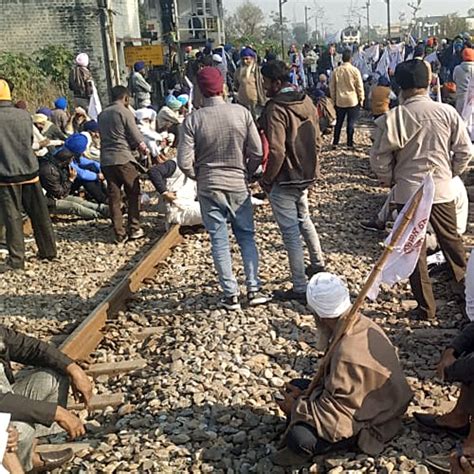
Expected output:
{"points": [[82, 342]]}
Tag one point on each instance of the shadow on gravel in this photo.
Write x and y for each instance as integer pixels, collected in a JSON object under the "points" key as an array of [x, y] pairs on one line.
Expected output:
{"points": [[226, 437]]}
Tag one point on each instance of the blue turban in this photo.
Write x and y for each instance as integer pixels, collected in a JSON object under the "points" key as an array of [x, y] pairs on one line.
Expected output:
{"points": [[184, 99], [91, 126], [173, 103], [248, 52], [139, 65], [76, 143], [383, 81], [61, 103], [44, 111]]}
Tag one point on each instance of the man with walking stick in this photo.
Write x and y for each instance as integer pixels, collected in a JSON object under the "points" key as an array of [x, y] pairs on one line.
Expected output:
{"points": [[415, 138]]}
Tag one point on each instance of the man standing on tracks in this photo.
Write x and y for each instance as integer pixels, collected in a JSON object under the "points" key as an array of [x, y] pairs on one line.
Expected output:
{"points": [[290, 123], [220, 147], [347, 92], [119, 138], [410, 141], [20, 188]]}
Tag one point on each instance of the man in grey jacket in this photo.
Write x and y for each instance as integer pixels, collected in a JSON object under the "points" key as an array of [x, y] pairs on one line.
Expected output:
{"points": [[411, 140], [20, 188], [119, 138], [220, 148]]}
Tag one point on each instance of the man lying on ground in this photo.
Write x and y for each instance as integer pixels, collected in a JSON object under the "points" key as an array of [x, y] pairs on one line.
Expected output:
{"points": [[38, 398], [363, 395]]}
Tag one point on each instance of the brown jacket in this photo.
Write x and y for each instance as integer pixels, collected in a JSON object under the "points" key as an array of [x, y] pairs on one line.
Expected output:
{"points": [[364, 393], [346, 86], [250, 90], [291, 125], [416, 137]]}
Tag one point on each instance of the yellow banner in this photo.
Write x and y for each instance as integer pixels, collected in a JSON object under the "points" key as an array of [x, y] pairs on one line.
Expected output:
{"points": [[153, 55]]}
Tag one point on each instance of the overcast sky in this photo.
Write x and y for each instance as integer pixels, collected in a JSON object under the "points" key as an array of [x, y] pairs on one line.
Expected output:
{"points": [[336, 10]]}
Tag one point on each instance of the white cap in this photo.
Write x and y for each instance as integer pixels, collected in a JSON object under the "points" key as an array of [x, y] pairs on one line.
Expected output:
{"points": [[217, 58], [328, 295]]}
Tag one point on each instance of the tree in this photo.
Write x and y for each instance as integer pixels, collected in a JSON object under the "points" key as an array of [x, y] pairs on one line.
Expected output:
{"points": [[299, 33], [452, 25], [247, 22]]}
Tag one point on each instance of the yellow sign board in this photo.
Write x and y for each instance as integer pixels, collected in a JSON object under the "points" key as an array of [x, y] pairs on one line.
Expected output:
{"points": [[153, 55]]}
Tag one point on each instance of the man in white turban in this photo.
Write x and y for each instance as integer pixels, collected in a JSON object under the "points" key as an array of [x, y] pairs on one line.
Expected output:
{"points": [[361, 398]]}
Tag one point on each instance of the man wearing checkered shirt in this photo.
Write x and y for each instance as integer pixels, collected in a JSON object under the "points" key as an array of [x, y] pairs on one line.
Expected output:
{"points": [[220, 148]]}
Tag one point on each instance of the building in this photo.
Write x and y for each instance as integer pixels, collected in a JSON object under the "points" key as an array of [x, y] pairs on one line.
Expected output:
{"points": [[101, 28], [185, 22]]}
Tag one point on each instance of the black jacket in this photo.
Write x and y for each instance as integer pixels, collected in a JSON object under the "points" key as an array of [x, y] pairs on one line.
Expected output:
{"points": [[463, 369], [54, 178], [18, 163], [16, 347]]}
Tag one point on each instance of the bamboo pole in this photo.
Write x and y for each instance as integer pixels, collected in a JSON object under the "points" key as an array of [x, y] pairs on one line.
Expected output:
{"points": [[346, 323]]}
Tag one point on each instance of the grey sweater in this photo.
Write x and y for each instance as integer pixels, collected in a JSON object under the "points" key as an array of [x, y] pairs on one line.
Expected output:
{"points": [[18, 163], [119, 135], [219, 146]]}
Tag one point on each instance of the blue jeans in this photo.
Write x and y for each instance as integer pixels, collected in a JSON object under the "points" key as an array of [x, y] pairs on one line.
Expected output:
{"points": [[217, 208], [291, 212]]}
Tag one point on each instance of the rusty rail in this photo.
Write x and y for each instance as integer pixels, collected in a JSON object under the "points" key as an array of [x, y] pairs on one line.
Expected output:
{"points": [[88, 335]]}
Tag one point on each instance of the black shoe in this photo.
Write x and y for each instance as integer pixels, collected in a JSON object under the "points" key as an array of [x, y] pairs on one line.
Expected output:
{"points": [[333, 147], [418, 314], [120, 239], [289, 295], [429, 423], [54, 459], [375, 225], [314, 269], [230, 302], [257, 297], [286, 457]]}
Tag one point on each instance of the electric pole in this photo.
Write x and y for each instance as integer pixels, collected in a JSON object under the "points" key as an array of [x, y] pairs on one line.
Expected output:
{"points": [[306, 20], [281, 3], [389, 33], [367, 6]]}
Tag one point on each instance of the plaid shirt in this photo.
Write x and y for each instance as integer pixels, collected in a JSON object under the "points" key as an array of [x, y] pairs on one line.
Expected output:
{"points": [[219, 146]]}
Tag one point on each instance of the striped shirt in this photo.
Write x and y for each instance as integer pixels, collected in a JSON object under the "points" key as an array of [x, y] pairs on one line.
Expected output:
{"points": [[219, 146]]}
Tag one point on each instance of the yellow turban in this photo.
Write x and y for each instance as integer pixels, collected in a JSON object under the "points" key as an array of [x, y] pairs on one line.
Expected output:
{"points": [[40, 118], [5, 93]]}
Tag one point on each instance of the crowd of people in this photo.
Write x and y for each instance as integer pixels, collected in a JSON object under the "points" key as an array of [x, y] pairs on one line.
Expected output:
{"points": [[236, 120]]}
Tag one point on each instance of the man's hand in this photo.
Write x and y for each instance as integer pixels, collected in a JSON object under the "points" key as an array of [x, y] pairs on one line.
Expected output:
{"points": [[12, 443], [290, 395], [44, 143], [460, 465], [72, 174], [101, 177], [80, 383], [169, 197], [69, 422], [447, 359]]}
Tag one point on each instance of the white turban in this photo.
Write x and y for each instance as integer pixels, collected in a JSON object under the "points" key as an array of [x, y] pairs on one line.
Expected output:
{"points": [[145, 114], [82, 60], [328, 295]]}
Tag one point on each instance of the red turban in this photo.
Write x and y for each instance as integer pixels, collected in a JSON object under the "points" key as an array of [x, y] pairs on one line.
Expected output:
{"points": [[210, 81], [468, 54]]}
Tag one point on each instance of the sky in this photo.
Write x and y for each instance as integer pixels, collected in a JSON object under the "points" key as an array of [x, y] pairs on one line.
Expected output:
{"points": [[335, 12]]}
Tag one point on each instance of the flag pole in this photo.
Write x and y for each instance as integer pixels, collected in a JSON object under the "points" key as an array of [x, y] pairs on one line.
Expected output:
{"points": [[347, 322]]}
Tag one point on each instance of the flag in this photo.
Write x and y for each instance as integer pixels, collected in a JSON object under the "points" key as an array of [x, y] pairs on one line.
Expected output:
{"points": [[191, 93], [438, 90], [383, 64], [470, 288], [404, 257], [95, 107]]}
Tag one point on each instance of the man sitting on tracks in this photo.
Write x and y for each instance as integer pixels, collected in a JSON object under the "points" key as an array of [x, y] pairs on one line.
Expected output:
{"points": [[39, 397], [362, 396]]}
